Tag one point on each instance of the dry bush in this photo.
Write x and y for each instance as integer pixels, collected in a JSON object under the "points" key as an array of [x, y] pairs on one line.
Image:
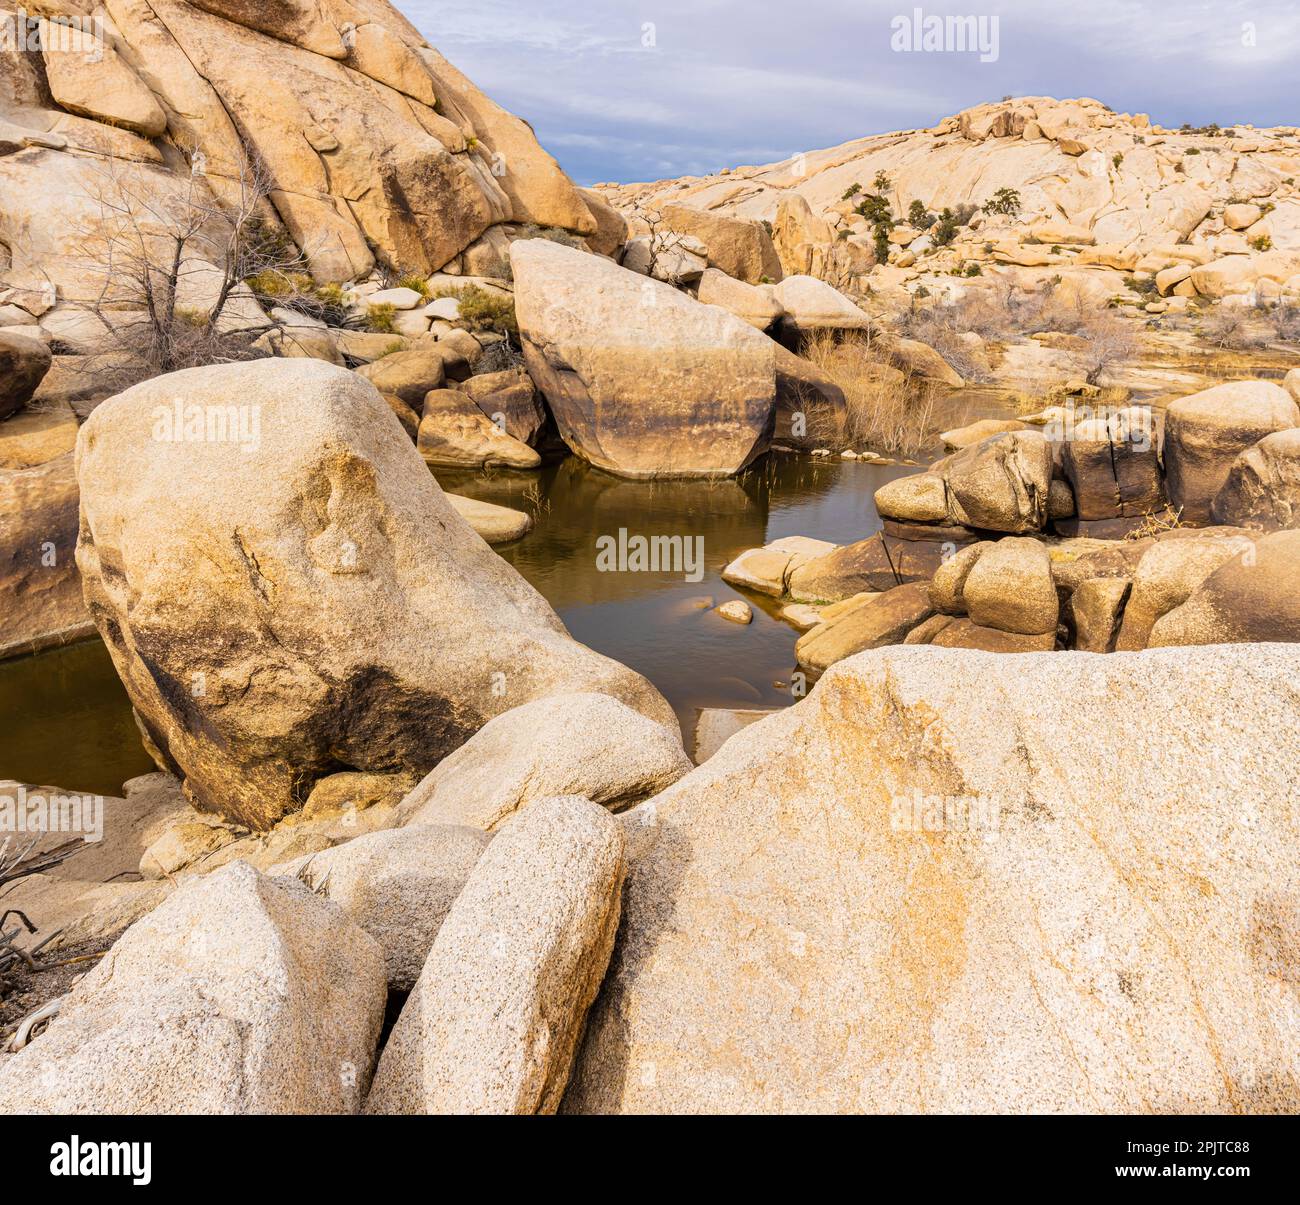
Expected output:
{"points": [[887, 410], [1229, 328]]}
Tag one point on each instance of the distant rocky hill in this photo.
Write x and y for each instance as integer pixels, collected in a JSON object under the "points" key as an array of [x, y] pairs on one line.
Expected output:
{"points": [[1097, 190]]}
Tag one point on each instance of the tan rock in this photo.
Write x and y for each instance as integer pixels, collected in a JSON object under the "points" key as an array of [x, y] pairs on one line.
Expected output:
{"points": [[700, 382], [1262, 490], [1166, 576], [86, 76], [978, 432], [37, 435], [317, 631], [1095, 612], [1250, 598], [948, 585], [835, 916], [799, 237], [880, 562], [741, 248], [496, 524], [1001, 484], [963, 634], [754, 304], [884, 619], [39, 583], [766, 570], [809, 304], [735, 611], [576, 744], [1238, 217], [235, 995], [396, 885], [1010, 588], [611, 226], [1225, 277], [920, 498], [496, 1017], [1207, 431], [409, 375], [538, 190], [455, 433], [23, 365]]}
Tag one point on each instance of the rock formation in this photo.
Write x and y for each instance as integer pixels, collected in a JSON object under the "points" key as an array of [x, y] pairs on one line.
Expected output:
{"points": [[294, 597]]}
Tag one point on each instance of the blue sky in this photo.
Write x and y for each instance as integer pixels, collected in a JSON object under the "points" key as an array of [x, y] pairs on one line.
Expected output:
{"points": [[725, 82]]}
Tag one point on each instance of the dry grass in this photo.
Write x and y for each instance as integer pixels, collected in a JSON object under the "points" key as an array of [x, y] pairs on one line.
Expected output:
{"points": [[887, 411]]}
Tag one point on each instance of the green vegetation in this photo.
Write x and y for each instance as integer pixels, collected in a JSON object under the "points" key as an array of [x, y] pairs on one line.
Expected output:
{"points": [[379, 318], [1006, 201]]}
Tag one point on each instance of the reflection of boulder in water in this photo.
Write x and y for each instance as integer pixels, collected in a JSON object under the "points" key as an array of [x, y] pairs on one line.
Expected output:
{"points": [[560, 556]]}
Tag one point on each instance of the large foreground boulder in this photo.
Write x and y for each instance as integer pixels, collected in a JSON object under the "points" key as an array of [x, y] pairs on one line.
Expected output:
{"points": [[880, 901], [238, 994], [497, 1014], [299, 598], [643, 380], [1206, 432]]}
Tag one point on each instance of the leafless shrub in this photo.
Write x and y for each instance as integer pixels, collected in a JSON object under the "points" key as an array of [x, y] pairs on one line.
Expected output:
{"points": [[166, 271], [1229, 328], [887, 410]]}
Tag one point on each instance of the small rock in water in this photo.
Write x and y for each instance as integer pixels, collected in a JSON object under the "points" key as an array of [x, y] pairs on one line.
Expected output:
{"points": [[736, 611], [848, 454]]}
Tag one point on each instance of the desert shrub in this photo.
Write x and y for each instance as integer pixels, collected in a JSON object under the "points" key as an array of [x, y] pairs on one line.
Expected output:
{"points": [[1006, 201], [1117, 158], [552, 234], [1262, 243], [919, 216], [415, 282], [1285, 318], [884, 409], [949, 222], [484, 311], [379, 318], [1228, 327], [851, 192], [500, 357]]}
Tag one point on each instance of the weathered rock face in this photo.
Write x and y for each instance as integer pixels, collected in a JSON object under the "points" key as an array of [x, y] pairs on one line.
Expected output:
{"points": [[1001, 484], [579, 744], [1262, 490], [1206, 432], [1113, 467], [1249, 598], [1010, 588], [286, 607], [1167, 575], [376, 144], [494, 1021], [509, 400], [236, 995], [879, 562], [23, 365], [643, 380], [878, 901], [741, 248], [884, 619], [38, 568], [397, 885], [455, 433]]}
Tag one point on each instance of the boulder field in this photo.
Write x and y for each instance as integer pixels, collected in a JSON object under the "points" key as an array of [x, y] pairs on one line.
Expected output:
{"points": [[1086, 534]]}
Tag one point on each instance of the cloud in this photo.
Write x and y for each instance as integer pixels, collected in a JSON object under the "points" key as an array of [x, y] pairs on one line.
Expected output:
{"points": [[637, 89]]}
